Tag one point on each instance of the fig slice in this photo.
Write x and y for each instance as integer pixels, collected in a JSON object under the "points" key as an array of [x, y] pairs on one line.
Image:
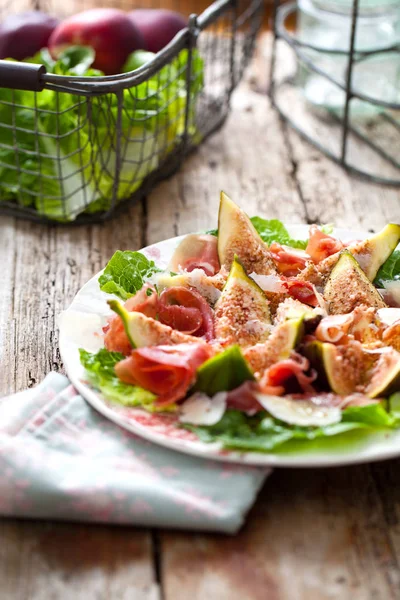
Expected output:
{"points": [[242, 314], [145, 331], [348, 286], [238, 236]]}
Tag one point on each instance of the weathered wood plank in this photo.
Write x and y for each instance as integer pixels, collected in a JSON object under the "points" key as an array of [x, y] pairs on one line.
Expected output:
{"points": [[332, 197], [39, 561], [51, 264], [7, 322]]}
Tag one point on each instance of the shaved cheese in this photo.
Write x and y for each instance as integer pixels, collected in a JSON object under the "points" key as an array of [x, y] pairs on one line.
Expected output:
{"points": [[201, 282], [322, 305], [389, 316], [299, 412], [383, 350], [200, 409], [392, 289], [269, 283]]}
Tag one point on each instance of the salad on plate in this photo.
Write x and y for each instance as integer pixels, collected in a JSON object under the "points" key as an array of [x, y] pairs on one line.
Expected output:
{"points": [[253, 340]]}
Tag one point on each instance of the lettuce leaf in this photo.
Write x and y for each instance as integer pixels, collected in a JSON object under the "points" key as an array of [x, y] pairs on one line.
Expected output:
{"points": [[394, 405], [389, 271], [101, 374], [271, 230], [126, 273], [263, 433]]}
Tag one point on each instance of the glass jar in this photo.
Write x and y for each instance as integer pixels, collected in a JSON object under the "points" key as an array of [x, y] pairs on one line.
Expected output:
{"points": [[326, 24]]}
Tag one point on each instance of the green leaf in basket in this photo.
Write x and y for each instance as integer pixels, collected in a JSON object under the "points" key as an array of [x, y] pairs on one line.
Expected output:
{"points": [[72, 149]]}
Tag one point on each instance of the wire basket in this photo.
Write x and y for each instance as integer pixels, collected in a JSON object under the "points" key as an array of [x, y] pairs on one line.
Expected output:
{"points": [[362, 131], [76, 148]]}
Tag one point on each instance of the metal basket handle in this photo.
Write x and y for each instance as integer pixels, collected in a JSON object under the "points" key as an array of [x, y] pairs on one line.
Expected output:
{"points": [[22, 76]]}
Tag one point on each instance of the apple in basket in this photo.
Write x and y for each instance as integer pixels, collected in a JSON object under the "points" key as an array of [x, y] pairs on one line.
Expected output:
{"points": [[158, 26], [110, 32], [25, 33]]}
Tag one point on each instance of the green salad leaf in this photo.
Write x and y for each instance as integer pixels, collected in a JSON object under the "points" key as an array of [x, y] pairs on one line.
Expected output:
{"points": [[101, 374], [60, 152], [389, 271], [223, 372], [126, 273], [273, 230], [394, 405], [263, 433], [373, 415]]}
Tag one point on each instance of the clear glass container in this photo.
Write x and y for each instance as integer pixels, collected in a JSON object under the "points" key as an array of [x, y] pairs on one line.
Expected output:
{"points": [[326, 24]]}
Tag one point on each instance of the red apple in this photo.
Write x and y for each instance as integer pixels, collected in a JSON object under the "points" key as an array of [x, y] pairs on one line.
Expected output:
{"points": [[24, 34], [110, 32], [158, 26]]}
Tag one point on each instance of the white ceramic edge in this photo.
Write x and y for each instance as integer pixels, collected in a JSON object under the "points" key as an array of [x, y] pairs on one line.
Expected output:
{"points": [[380, 446]]}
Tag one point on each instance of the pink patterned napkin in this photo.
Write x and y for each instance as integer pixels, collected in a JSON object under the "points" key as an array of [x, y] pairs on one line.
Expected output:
{"points": [[60, 459]]}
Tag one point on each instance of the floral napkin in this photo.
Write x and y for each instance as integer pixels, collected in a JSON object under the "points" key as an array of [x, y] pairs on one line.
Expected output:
{"points": [[60, 459]]}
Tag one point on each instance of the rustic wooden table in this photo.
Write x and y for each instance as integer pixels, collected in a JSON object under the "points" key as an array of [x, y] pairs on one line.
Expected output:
{"points": [[312, 534]]}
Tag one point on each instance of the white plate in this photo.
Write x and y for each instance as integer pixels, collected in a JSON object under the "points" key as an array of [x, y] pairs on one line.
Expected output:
{"points": [[81, 327]]}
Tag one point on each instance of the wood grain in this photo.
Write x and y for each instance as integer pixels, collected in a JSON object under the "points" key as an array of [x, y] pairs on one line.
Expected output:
{"points": [[313, 534], [42, 561]]}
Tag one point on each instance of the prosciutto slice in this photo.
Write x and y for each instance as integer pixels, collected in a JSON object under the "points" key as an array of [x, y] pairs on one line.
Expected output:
{"points": [[321, 245], [334, 328], [186, 310], [275, 377], [244, 398], [196, 251], [288, 261], [303, 291], [167, 371]]}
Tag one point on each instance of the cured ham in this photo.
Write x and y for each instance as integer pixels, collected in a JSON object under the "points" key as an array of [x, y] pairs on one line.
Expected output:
{"points": [[196, 251], [244, 398], [144, 301], [334, 328], [288, 261], [167, 371], [321, 245], [275, 377], [186, 310], [303, 291]]}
